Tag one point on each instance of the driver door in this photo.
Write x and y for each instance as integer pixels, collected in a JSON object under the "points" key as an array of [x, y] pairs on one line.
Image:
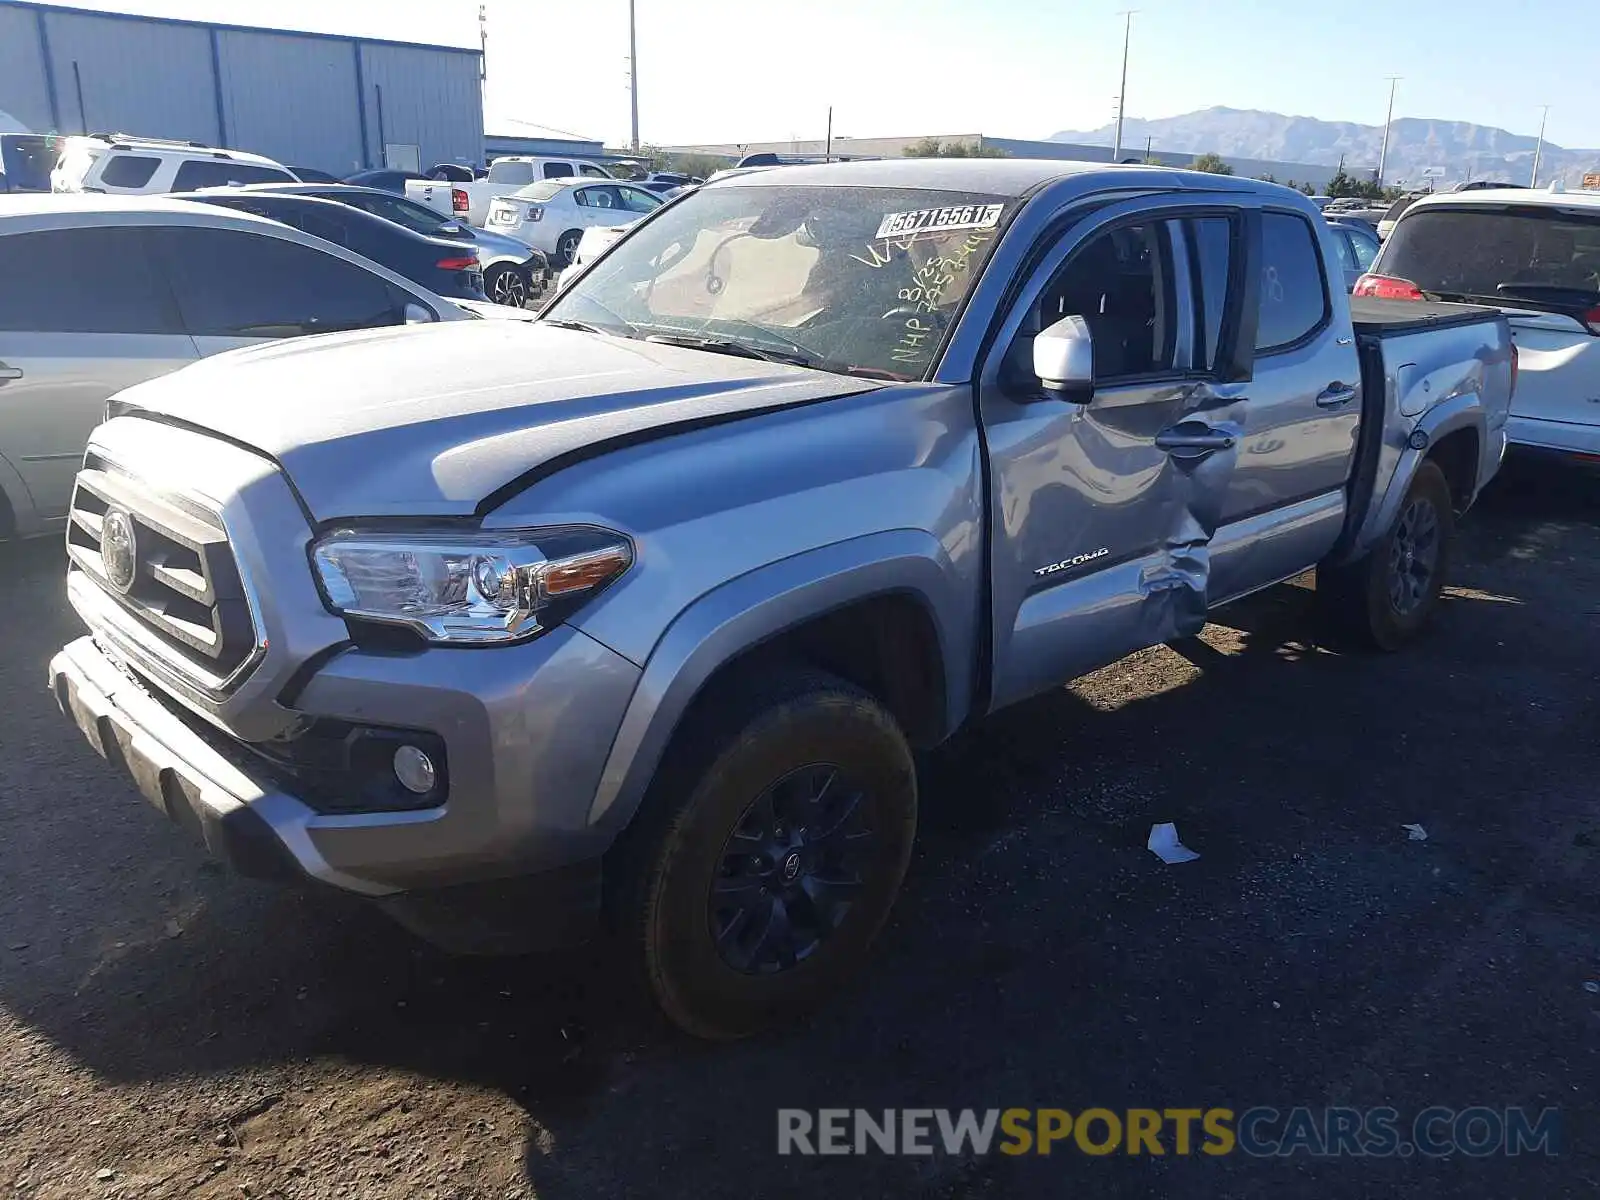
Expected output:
{"points": [[1103, 512]]}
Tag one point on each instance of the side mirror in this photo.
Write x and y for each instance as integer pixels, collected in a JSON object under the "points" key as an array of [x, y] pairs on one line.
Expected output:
{"points": [[417, 315], [1063, 359], [450, 229]]}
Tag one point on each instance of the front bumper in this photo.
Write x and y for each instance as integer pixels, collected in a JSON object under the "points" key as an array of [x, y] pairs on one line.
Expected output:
{"points": [[528, 729]]}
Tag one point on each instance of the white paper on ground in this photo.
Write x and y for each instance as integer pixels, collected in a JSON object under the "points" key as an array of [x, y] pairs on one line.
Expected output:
{"points": [[1415, 833], [1164, 844]]}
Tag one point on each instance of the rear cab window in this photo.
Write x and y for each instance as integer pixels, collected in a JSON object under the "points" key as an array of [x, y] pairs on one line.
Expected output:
{"points": [[1519, 254], [558, 170], [506, 171], [1293, 285]]}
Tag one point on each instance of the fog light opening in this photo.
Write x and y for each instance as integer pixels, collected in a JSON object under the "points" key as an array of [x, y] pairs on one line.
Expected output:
{"points": [[414, 770]]}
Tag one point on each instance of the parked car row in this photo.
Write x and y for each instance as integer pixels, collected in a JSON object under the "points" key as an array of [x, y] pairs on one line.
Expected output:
{"points": [[121, 289]]}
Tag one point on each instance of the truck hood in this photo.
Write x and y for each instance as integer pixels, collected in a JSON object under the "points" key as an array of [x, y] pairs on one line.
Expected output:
{"points": [[432, 420]]}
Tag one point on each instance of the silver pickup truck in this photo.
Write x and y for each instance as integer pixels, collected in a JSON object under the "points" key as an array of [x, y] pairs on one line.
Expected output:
{"points": [[633, 617]]}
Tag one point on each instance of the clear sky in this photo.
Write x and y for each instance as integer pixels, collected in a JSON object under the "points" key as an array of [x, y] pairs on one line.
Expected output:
{"points": [[752, 70]]}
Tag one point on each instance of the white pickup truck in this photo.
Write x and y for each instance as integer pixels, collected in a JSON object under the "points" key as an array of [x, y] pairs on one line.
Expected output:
{"points": [[470, 201]]}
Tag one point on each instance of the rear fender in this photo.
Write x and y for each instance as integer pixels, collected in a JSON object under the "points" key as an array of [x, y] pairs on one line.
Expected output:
{"points": [[758, 606], [1465, 411]]}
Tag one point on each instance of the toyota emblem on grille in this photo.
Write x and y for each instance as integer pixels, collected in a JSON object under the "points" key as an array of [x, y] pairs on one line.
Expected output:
{"points": [[119, 549]]}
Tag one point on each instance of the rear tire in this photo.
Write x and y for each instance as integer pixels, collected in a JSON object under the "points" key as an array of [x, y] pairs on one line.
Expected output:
{"points": [[768, 854], [1386, 597]]}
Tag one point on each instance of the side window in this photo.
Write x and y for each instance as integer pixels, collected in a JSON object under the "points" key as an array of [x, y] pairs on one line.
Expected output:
{"points": [[592, 171], [1294, 295], [85, 280], [230, 282], [558, 170], [1341, 246], [128, 170], [1210, 243], [1366, 251], [317, 224], [639, 201], [1121, 282], [200, 173]]}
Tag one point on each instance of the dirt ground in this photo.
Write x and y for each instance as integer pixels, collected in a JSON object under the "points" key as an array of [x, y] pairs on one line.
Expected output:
{"points": [[168, 1030]]}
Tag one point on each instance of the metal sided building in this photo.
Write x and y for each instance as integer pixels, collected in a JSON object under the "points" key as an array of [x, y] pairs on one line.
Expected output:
{"points": [[306, 99]]}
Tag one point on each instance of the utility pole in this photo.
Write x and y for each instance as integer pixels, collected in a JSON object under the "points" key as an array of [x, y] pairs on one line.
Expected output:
{"points": [[1149, 139], [1538, 149], [1122, 96], [483, 44], [1383, 154], [827, 153], [633, 76]]}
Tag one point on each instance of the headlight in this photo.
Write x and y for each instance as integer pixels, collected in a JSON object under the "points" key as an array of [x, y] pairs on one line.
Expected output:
{"points": [[475, 587]]}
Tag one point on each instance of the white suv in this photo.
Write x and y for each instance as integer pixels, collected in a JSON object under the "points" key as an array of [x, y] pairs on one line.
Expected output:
{"points": [[121, 164], [1535, 255]]}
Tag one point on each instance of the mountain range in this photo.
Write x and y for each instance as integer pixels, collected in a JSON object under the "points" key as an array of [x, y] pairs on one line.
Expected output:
{"points": [[1464, 151]]}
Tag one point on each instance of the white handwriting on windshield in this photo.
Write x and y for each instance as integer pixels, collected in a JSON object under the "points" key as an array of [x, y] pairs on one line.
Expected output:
{"points": [[926, 293]]}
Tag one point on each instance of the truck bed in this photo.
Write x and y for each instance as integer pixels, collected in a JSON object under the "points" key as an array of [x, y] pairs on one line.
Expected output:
{"points": [[1389, 318]]}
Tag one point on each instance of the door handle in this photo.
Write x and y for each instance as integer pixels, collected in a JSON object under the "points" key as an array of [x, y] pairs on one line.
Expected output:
{"points": [[1193, 440], [7, 374], [1335, 394]]}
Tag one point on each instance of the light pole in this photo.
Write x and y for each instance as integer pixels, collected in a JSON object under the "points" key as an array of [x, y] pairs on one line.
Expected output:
{"points": [[633, 76], [1538, 149], [1383, 154], [1122, 95]]}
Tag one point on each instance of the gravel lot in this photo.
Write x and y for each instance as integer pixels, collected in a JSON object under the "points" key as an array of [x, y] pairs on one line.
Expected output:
{"points": [[168, 1030]]}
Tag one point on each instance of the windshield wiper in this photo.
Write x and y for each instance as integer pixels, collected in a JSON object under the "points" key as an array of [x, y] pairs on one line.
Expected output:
{"points": [[584, 327], [724, 346]]}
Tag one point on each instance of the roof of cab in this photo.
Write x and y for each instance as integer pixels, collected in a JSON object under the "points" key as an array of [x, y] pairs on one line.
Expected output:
{"points": [[993, 176]]}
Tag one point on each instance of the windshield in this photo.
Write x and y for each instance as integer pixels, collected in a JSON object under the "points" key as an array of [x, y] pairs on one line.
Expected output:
{"points": [[1533, 256], [859, 280]]}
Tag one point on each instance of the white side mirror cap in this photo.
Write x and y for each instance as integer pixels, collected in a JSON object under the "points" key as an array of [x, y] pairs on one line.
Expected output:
{"points": [[1063, 359]]}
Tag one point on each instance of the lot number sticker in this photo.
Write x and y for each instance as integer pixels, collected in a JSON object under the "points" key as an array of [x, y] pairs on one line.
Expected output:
{"points": [[937, 220]]}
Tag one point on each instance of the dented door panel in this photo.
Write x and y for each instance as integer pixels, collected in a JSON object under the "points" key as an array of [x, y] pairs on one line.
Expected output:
{"points": [[1103, 513], [1103, 539]]}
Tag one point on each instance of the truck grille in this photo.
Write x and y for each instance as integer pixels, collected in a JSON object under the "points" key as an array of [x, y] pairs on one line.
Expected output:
{"points": [[168, 564]]}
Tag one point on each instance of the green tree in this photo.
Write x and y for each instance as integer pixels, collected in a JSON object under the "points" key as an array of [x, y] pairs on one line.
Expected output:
{"points": [[932, 147], [1211, 164], [1269, 177]]}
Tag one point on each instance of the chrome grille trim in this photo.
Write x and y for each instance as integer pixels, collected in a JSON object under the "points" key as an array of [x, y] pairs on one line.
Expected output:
{"points": [[189, 614]]}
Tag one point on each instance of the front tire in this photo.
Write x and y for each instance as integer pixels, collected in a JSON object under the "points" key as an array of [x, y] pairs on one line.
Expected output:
{"points": [[1386, 597], [770, 851]]}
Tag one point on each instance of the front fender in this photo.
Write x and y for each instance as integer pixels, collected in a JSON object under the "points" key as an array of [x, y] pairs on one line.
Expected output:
{"points": [[760, 605], [1465, 411]]}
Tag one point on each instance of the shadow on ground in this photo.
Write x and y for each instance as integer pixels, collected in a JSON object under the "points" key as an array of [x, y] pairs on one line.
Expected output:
{"points": [[1040, 955]]}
